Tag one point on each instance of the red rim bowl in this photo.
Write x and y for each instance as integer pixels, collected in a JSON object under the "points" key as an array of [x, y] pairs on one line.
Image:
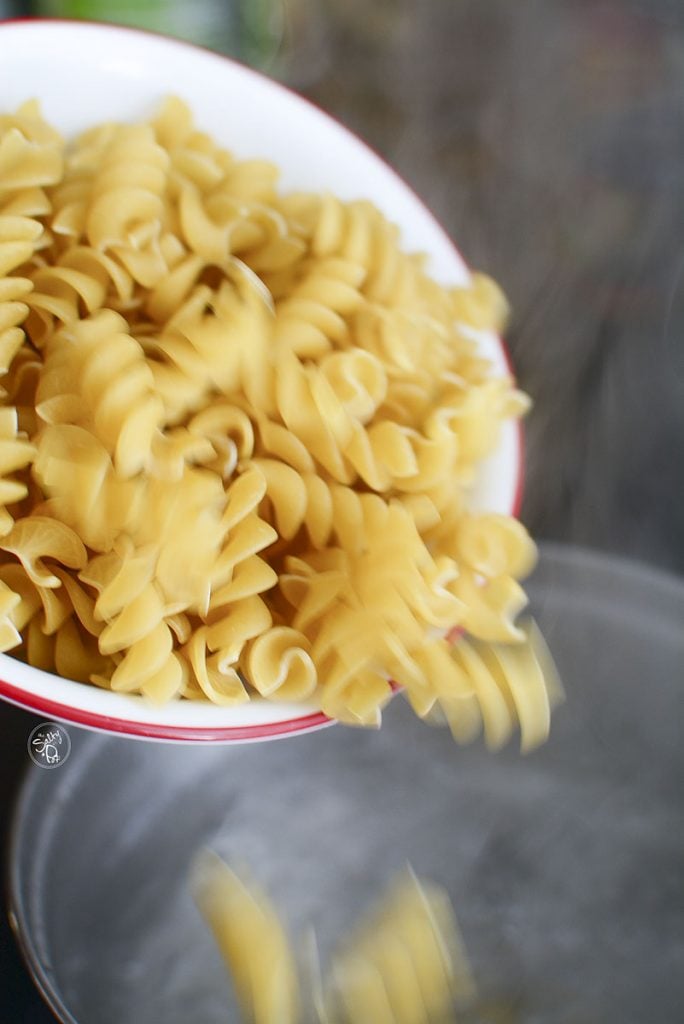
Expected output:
{"points": [[84, 73]]}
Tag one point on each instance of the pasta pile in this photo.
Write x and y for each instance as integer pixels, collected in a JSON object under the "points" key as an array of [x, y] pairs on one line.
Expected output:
{"points": [[405, 964], [238, 433]]}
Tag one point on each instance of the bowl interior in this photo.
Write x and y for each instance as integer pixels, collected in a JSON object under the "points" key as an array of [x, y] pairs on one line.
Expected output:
{"points": [[564, 866], [87, 73]]}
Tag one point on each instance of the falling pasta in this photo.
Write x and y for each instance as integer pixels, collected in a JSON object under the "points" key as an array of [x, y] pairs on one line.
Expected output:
{"points": [[238, 433], [405, 963]]}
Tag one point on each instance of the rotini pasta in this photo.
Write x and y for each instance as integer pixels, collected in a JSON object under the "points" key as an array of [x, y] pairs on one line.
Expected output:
{"points": [[18, 236], [238, 436], [15, 453], [405, 963], [243, 922], [111, 388], [30, 159]]}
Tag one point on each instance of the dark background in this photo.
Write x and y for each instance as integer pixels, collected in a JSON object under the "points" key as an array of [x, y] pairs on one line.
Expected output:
{"points": [[548, 137]]}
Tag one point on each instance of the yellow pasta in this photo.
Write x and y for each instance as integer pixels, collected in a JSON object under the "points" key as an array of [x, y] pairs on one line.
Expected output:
{"points": [[111, 388], [30, 159], [251, 941], [405, 963], [238, 434], [16, 452], [18, 236], [475, 686], [279, 665]]}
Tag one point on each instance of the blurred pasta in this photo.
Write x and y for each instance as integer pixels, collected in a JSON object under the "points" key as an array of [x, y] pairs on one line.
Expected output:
{"points": [[251, 940], [238, 434], [405, 962]]}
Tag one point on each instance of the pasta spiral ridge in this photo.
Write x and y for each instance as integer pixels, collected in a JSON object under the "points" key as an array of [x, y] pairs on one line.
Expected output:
{"points": [[132, 610], [343, 598], [30, 160], [217, 342], [474, 685], [113, 198], [220, 225], [314, 317], [111, 389], [357, 232], [18, 237], [16, 452], [59, 625], [81, 280]]}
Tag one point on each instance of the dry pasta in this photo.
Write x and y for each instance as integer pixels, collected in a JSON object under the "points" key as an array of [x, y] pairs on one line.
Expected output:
{"points": [[405, 963], [244, 924], [238, 433]]}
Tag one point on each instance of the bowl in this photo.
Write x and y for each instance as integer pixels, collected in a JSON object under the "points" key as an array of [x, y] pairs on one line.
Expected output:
{"points": [[564, 867], [87, 73]]}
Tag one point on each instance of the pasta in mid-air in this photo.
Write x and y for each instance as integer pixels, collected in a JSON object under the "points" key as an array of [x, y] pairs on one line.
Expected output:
{"points": [[405, 962], [238, 434]]}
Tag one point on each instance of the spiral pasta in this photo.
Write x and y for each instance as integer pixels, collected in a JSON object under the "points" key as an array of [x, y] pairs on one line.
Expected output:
{"points": [[110, 387], [9, 634], [15, 453], [404, 963], [18, 236], [242, 921], [30, 159], [238, 439], [81, 279]]}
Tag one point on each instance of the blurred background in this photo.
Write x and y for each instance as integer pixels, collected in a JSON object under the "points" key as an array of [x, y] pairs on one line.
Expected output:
{"points": [[548, 138]]}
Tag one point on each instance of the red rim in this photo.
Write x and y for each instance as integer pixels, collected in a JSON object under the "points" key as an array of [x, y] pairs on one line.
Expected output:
{"points": [[151, 730], [292, 726]]}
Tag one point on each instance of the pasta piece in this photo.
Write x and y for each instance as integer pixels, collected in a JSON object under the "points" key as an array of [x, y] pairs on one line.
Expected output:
{"points": [[9, 634], [230, 432], [223, 350], [75, 473], [242, 921], [46, 608], [77, 655], [81, 281], [405, 964], [37, 537], [18, 238], [491, 607], [40, 647], [314, 315], [356, 231], [215, 675], [20, 385], [113, 197], [482, 304], [30, 159], [112, 389], [494, 686], [15, 454], [279, 665]]}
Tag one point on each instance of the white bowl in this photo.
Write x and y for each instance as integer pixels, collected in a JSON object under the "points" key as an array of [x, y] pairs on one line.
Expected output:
{"points": [[85, 73]]}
